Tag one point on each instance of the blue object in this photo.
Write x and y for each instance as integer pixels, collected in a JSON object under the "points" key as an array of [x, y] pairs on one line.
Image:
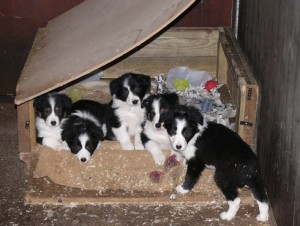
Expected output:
{"points": [[206, 105]]}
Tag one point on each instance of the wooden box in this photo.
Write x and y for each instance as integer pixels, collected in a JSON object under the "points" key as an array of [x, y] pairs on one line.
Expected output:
{"points": [[69, 49]]}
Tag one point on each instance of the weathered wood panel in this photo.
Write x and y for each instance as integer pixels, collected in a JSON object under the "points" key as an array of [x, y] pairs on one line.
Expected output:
{"points": [[78, 42], [233, 70], [193, 48], [269, 33]]}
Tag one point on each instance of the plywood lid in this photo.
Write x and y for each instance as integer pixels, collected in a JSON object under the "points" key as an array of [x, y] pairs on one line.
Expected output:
{"points": [[88, 37]]}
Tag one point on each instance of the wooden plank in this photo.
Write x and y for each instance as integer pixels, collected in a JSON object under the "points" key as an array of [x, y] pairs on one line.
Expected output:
{"points": [[242, 85], [88, 37], [222, 66], [182, 43], [156, 65], [45, 191], [26, 130]]}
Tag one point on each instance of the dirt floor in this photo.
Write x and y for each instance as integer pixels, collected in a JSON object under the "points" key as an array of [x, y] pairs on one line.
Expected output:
{"points": [[15, 212]]}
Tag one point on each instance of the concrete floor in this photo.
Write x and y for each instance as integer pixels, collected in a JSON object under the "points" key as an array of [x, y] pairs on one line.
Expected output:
{"points": [[15, 212]]}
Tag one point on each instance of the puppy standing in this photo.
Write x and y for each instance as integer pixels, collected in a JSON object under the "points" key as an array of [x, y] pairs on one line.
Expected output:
{"points": [[211, 144], [154, 137], [125, 116], [51, 110]]}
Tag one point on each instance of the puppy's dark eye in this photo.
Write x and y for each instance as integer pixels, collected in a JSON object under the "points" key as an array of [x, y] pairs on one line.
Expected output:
{"points": [[125, 91], [151, 115], [187, 132], [173, 130], [88, 146], [137, 89], [58, 110], [162, 110], [47, 111]]}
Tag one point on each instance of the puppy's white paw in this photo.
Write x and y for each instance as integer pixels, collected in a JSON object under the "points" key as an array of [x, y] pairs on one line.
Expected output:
{"points": [[62, 147], [181, 190], [159, 159], [263, 211], [139, 146], [226, 216], [262, 217], [127, 146], [233, 208], [65, 146]]}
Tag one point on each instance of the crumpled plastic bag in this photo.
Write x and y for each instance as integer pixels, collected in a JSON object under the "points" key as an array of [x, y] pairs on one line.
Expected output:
{"points": [[195, 78]]}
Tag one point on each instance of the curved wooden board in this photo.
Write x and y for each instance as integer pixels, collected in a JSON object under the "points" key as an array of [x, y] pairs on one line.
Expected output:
{"points": [[90, 36]]}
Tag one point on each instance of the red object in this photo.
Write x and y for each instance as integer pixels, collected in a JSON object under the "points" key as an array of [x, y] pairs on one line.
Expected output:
{"points": [[171, 162], [210, 85], [155, 176]]}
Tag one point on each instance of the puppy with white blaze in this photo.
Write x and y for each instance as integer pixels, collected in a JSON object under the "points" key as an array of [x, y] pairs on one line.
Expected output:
{"points": [[210, 144], [155, 137], [125, 116], [51, 110], [84, 130]]}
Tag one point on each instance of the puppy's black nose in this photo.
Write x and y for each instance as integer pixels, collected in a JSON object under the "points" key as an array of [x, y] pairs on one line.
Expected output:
{"points": [[178, 146], [53, 123], [83, 159], [135, 101], [157, 125]]}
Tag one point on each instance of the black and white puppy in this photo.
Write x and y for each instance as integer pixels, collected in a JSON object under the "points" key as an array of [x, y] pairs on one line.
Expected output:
{"points": [[210, 144], [51, 110], [84, 129], [125, 117], [154, 137]]}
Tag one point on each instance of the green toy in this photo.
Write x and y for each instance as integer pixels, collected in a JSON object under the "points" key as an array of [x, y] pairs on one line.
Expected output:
{"points": [[75, 94], [180, 84]]}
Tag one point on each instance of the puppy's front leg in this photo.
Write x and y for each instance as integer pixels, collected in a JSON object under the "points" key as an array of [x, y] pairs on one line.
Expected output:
{"points": [[123, 137], [192, 175], [137, 140]]}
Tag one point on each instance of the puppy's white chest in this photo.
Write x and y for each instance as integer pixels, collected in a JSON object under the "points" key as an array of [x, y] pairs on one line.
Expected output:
{"points": [[160, 136], [47, 131]]}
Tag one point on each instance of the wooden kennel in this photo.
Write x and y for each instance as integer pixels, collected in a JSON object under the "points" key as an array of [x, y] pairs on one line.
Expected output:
{"points": [[132, 38]]}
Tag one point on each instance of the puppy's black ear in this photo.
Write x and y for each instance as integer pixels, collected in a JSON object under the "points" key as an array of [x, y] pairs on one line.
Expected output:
{"points": [[166, 116], [195, 114], [67, 104], [98, 134], [64, 135], [171, 98], [145, 81], [67, 101], [114, 85], [147, 102], [37, 104]]}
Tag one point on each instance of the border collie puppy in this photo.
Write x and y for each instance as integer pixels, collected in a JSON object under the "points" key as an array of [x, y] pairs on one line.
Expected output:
{"points": [[125, 117], [210, 144], [84, 131], [154, 137], [51, 109]]}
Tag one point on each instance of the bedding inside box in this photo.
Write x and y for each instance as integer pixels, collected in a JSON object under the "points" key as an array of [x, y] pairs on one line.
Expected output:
{"points": [[110, 167]]}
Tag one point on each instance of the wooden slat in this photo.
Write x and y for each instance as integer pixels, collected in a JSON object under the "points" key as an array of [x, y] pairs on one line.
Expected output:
{"points": [[182, 43], [154, 66], [241, 84], [26, 130], [45, 191], [222, 66], [88, 37]]}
